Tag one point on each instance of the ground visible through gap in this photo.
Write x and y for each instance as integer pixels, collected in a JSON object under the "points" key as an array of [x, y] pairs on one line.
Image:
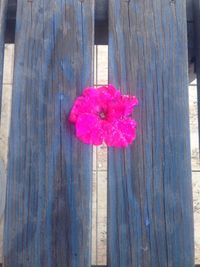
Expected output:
{"points": [[195, 165], [99, 204]]}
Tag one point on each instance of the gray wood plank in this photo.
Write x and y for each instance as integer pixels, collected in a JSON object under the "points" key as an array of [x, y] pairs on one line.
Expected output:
{"points": [[150, 218], [2, 203], [48, 204], [197, 54], [2, 189], [3, 9]]}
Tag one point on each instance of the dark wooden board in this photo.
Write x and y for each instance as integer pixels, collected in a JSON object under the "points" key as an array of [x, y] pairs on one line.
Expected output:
{"points": [[48, 205], [150, 217], [11, 21], [189, 10], [3, 9], [190, 31]]}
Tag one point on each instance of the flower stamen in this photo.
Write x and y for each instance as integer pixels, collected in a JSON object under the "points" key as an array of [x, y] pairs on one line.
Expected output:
{"points": [[102, 115]]}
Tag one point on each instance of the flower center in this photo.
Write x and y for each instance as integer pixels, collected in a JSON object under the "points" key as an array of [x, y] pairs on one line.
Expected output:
{"points": [[102, 115]]}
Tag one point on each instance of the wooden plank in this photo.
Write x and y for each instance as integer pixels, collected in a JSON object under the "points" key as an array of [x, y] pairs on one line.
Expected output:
{"points": [[48, 205], [2, 190], [189, 9], [2, 204], [3, 9], [190, 31], [197, 55], [101, 21], [150, 218]]}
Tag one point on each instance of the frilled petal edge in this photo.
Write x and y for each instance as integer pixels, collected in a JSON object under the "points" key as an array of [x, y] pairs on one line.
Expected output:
{"points": [[120, 133], [89, 129]]}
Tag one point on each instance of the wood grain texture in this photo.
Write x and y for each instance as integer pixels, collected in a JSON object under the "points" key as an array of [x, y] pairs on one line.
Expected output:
{"points": [[2, 204], [150, 217], [197, 54], [48, 204], [2, 190], [3, 9], [189, 9]]}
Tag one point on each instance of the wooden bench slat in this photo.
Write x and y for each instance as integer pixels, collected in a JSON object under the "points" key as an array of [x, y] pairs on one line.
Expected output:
{"points": [[48, 206], [3, 9], [197, 54], [150, 218]]}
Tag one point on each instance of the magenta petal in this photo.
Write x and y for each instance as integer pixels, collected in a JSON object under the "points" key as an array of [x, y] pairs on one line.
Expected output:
{"points": [[89, 129], [120, 133], [103, 92], [101, 97], [121, 107], [76, 109], [109, 91], [90, 92], [81, 106], [129, 102]]}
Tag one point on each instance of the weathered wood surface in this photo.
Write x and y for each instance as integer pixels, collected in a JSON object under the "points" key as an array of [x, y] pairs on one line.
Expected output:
{"points": [[3, 8], [101, 23], [197, 54], [48, 205], [150, 218], [2, 188], [189, 9], [2, 203]]}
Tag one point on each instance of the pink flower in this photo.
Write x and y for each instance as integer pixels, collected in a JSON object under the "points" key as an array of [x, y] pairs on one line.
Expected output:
{"points": [[103, 115]]}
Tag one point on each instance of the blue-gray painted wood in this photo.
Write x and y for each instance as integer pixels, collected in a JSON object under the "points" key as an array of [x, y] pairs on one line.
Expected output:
{"points": [[189, 9], [101, 21], [150, 216], [197, 54], [101, 24], [48, 203], [3, 9], [2, 188]]}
